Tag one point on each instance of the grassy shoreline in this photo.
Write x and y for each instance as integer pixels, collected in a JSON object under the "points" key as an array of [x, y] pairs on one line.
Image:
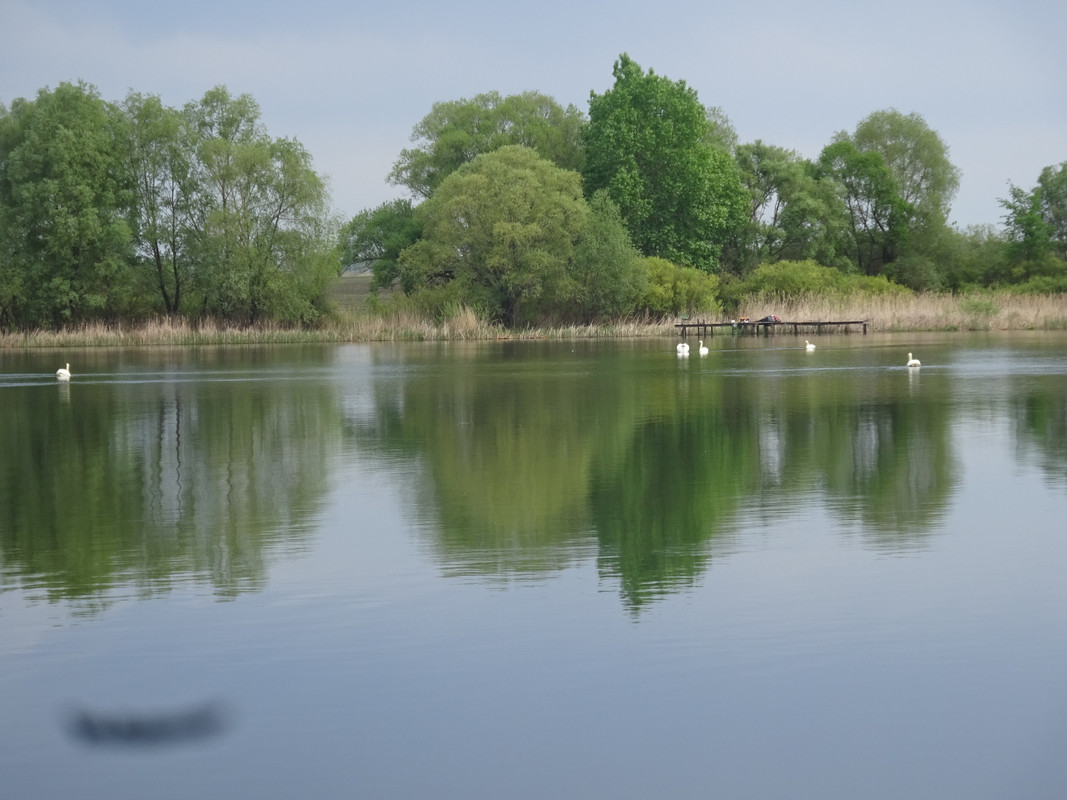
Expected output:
{"points": [[988, 311]]}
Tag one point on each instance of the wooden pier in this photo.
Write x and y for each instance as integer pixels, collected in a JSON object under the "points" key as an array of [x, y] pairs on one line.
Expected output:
{"points": [[770, 327]]}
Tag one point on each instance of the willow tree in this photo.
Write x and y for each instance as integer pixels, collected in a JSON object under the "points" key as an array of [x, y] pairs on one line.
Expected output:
{"points": [[916, 157], [793, 214], [162, 167], [876, 212], [264, 237], [924, 182], [501, 231]]}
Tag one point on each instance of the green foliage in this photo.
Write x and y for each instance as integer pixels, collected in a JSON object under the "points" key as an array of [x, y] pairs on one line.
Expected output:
{"points": [[649, 143], [1043, 284], [790, 279], [1035, 254], [798, 279], [793, 214], [877, 213], [375, 238], [916, 157], [978, 306], [166, 188], [504, 228], [971, 258], [263, 231], [456, 132], [674, 290], [898, 185], [64, 202], [1052, 184], [120, 212], [608, 274], [1029, 234]]}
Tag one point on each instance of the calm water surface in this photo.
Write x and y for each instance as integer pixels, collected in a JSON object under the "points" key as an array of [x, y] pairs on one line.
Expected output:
{"points": [[537, 569]]}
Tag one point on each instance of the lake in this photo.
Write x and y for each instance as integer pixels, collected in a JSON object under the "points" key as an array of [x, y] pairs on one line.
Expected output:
{"points": [[533, 569]]}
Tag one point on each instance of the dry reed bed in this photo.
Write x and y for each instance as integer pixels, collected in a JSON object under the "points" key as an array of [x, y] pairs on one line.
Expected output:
{"points": [[1001, 311], [923, 312]]}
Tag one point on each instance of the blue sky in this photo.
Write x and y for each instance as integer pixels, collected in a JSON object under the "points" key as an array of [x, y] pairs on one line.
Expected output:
{"points": [[350, 80]]}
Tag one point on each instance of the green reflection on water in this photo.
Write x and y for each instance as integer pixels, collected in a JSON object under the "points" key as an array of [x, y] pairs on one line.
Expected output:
{"points": [[517, 459], [171, 476]]}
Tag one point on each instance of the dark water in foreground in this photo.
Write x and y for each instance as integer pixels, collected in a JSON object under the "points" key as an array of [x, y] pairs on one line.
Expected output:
{"points": [[537, 569]]}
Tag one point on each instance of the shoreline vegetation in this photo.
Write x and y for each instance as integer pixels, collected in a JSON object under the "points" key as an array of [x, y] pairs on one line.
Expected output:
{"points": [[352, 322]]}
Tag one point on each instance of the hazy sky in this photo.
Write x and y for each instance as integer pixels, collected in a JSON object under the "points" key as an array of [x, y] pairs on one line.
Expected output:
{"points": [[350, 80]]}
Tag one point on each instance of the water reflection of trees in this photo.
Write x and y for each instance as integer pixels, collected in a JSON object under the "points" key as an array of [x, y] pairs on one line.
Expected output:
{"points": [[1041, 427], [504, 456], [660, 508], [156, 483], [525, 468], [890, 467]]}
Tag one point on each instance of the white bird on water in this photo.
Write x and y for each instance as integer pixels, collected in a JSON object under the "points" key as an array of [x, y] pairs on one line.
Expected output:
{"points": [[703, 349], [913, 362], [63, 373], [808, 345], [683, 349]]}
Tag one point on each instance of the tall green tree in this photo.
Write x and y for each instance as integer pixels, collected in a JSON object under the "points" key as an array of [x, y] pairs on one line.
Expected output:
{"points": [[912, 233], [1053, 185], [264, 236], [650, 144], [64, 205], [503, 230], [877, 214], [916, 157], [458, 131], [1029, 233], [166, 191]]}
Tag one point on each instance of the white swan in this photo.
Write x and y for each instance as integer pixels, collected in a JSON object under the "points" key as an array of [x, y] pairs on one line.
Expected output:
{"points": [[703, 349], [808, 345], [63, 373], [683, 349], [913, 362]]}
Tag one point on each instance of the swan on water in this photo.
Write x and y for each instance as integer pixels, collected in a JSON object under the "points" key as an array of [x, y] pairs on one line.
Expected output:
{"points": [[808, 345], [683, 349], [63, 373], [703, 349], [913, 362]]}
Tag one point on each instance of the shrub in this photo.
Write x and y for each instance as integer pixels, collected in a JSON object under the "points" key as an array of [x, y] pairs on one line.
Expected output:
{"points": [[792, 279], [672, 289]]}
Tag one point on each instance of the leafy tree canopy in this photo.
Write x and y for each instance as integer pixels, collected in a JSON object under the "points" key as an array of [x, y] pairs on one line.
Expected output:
{"points": [[915, 156], [458, 131], [503, 228], [121, 211], [609, 274], [1053, 185], [264, 232], [64, 201], [793, 214], [374, 239], [650, 144], [876, 212], [673, 290]]}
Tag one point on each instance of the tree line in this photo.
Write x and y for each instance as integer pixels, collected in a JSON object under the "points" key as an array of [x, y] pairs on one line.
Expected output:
{"points": [[124, 211], [516, 207], [649, 204]]}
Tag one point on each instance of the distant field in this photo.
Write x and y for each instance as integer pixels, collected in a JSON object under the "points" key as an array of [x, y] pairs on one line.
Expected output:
{"points": [[351, 292]]}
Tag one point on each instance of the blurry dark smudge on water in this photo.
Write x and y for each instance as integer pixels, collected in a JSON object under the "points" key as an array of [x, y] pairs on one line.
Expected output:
{"points": [[148, 729]]}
